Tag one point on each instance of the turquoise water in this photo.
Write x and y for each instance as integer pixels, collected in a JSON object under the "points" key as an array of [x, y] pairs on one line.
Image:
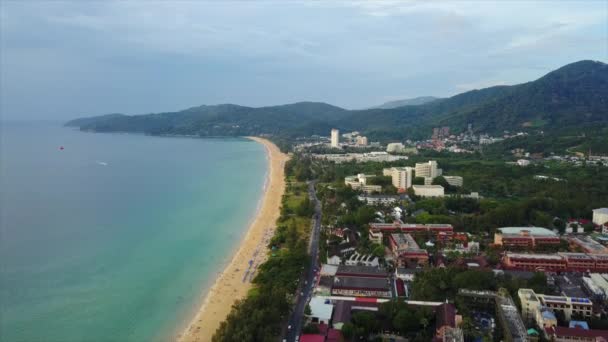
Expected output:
{"points": [[114, 237]]}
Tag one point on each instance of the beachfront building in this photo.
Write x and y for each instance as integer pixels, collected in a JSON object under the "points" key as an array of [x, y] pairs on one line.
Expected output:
{"points": [[525, 237], [428, 190], [600, 216], [454, 180], [335, 138]]}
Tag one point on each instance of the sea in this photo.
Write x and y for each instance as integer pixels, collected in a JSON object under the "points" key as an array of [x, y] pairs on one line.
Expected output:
{"points": [[115, 237]]}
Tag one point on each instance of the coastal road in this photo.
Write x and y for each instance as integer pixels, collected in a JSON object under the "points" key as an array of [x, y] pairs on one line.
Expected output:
{"points": [[305, 292]]}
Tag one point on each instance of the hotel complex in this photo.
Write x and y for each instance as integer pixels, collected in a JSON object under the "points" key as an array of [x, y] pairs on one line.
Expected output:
{"points": [[525, 237], [557, 262]]}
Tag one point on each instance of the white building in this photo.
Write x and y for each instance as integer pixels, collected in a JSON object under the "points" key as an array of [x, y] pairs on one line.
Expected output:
{"points": [[428, 169], [361, 141], [600, 216], [320, 310], [378, 199], [523, 162], [359, 182], [335, 138], [428, 190], [395, 147], [401, 176], [454, 180], [357, 259]]}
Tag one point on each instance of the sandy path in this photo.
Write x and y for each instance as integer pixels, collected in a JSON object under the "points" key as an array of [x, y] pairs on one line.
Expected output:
{"points": [[234, 282]]}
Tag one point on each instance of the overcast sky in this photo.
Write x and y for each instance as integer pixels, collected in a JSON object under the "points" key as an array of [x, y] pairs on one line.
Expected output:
{"points": [[69, 59]]}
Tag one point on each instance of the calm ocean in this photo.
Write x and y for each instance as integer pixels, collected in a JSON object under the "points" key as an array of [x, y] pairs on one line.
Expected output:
{"points": [[114, 237]]}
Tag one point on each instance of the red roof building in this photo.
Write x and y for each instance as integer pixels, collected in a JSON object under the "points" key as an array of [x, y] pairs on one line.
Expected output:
{"points": [[577, 334]]}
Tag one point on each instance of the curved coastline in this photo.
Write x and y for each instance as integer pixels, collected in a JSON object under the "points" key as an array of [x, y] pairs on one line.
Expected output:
{"points": [[233, 282]]}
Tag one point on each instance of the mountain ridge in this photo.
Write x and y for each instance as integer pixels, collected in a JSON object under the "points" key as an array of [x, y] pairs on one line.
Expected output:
{"points": [[575, 94]]}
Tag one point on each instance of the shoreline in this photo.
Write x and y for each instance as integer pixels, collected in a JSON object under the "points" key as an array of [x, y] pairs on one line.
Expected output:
{"points": [[234, 281]]}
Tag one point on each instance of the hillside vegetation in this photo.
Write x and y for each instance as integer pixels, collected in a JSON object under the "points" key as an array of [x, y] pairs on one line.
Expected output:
{"points": [[574, 96]]}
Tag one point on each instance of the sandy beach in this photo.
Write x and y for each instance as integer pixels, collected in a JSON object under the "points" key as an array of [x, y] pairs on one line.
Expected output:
{"points": [[235, 281]]}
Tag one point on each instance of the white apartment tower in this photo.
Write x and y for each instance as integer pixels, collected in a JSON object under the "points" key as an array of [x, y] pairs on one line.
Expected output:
{"points": [[335, 138], [428, 169], [402, 178]]}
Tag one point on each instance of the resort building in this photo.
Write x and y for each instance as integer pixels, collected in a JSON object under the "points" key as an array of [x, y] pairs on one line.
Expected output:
{"points": [[587, 244], [428, 169], [335, 138], [428, 190], [525, 237], [557, 262], [401, 177], [600, 216], [361, 141], [359, 182], [395, 147], [454, 180], [376, 156]]}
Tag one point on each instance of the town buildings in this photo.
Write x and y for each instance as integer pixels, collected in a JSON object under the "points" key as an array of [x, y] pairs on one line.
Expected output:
{"points": [[428, 190], [525, 237], [359, 157]]}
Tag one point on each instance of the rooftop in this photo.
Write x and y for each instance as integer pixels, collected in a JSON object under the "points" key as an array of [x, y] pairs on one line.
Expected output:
{"points": [[361, 283], [370, 271], [535, 231], [427, 186], [601, 211], [534, 256], [320, 308]]}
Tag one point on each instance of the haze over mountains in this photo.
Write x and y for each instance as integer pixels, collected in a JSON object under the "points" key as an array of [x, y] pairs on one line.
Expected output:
{"points": [[575, 95], [407, 102]]}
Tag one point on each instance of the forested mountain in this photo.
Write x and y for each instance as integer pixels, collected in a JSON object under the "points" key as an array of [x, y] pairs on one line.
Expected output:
{"points": [[416, 101], [575, 95]]}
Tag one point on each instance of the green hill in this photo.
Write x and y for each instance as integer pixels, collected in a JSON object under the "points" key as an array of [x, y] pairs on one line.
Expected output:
{"points": [[574, 96]]}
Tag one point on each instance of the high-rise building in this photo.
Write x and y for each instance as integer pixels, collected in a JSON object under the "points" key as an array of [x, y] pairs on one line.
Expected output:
{"points": [[335, 138], [428, 169]]}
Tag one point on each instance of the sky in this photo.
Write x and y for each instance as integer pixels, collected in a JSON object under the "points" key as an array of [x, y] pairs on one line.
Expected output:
{"points": [[61, 60]]}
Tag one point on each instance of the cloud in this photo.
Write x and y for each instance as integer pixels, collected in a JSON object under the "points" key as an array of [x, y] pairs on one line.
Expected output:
{"points": [[158, 55]]}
